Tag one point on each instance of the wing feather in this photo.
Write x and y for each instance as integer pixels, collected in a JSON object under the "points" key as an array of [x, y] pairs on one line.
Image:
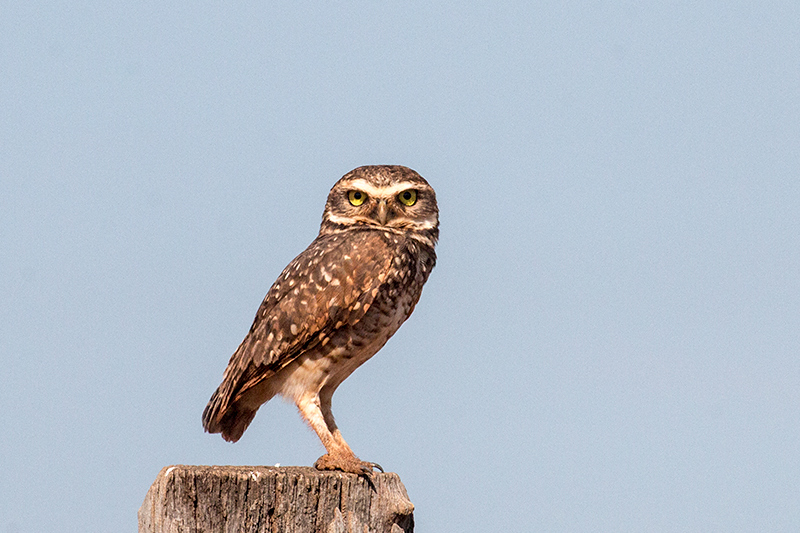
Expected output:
{"points": [[321, 290]]}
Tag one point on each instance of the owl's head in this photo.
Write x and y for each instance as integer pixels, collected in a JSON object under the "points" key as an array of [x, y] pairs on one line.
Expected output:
{"points": [[384, 196]]}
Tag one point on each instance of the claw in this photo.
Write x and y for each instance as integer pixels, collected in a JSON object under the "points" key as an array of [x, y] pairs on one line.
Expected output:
{"points": [[347, 464]]}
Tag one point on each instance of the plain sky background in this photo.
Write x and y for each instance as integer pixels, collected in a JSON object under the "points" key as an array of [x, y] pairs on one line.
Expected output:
{"points": [[610, 339]]}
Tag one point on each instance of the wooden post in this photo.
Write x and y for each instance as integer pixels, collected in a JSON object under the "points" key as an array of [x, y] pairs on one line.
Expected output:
{"points": [[205, 499]]}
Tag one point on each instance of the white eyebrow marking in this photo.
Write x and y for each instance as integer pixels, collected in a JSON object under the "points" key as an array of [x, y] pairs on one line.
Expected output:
{"points": [[386, 192]]}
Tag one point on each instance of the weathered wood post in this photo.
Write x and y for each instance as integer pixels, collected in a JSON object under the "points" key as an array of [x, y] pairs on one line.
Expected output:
{"points": [[206, 499]]}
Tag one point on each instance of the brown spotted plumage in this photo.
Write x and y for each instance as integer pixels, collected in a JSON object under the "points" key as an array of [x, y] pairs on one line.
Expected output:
{"points": [[334, 306]]}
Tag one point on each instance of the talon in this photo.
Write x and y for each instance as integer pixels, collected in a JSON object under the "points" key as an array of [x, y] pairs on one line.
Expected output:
{"points": [[346, 464]]}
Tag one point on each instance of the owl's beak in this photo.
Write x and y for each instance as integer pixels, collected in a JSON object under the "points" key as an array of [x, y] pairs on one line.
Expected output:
{"points": [[382, 212]]}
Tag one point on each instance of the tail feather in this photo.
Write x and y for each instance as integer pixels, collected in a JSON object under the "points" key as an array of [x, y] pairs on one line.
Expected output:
{"points": [[229, 419], [234, 422]]}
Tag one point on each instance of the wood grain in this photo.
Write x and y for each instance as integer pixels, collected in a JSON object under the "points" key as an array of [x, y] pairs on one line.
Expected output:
{"points": [[195, 499]]}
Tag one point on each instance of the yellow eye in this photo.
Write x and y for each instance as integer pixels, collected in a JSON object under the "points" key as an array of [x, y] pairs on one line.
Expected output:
{"points": [[408, 197], [356, 197]]}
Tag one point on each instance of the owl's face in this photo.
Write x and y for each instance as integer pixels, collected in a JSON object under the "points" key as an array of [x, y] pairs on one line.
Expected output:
{"points": [[389, 197]]}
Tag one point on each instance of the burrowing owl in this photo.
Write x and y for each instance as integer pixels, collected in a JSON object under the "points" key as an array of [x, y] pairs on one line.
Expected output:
{"points": [[334, 306]]}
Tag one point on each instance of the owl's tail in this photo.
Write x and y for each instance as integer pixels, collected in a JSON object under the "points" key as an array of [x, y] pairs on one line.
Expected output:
{"points": [[229, 419]]}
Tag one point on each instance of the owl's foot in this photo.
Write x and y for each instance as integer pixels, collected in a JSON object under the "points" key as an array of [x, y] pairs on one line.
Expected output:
{"points": [[346, 463]]}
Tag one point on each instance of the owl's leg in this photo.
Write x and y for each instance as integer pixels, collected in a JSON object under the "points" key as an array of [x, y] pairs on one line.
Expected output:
{"points": [[325, 406], [316, 410]]}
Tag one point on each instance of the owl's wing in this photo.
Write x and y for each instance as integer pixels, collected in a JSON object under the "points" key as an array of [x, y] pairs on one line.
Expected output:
{"points": [[332, 283]]}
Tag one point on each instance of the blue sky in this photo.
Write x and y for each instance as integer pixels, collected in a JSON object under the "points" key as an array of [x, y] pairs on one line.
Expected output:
{"points": [[609, 341]]}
